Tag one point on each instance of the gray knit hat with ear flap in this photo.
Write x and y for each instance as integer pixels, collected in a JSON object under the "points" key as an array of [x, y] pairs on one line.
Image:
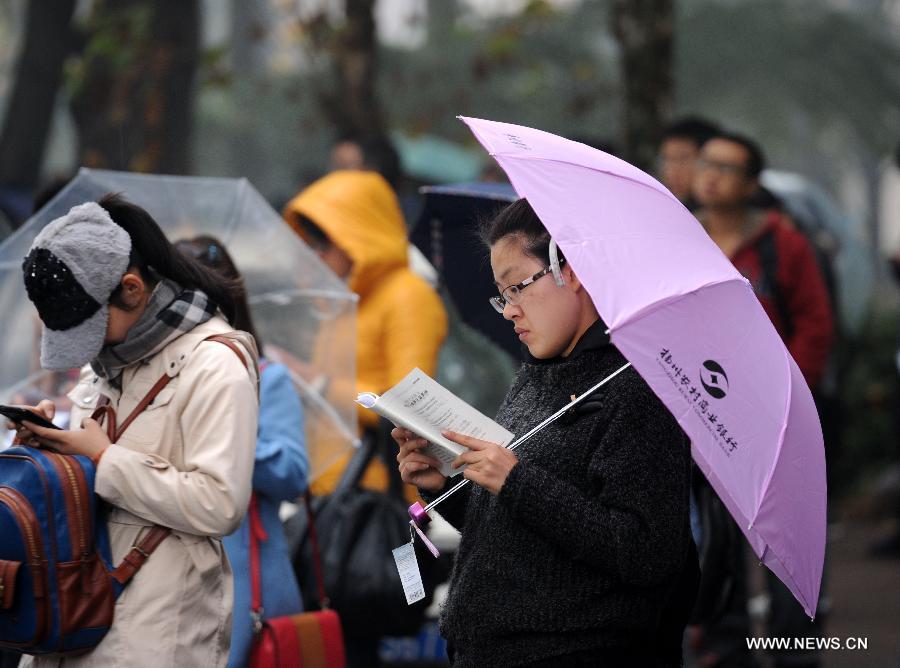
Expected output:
{"points": [[71, 270]]}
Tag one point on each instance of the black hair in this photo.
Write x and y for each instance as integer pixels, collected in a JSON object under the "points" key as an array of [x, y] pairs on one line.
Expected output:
{"points": [[692, 128], [519, 220], [347, 137], [154, 257], [311, 233], [599, 143], [756, 162], [380, 156], [210, 252]]}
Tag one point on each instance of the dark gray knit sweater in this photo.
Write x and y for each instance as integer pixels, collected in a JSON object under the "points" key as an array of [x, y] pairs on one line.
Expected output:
{"points": [[580, 550]]}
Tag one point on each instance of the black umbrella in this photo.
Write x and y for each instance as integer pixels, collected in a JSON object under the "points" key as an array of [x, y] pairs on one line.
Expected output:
{"points": [[447, 233]]}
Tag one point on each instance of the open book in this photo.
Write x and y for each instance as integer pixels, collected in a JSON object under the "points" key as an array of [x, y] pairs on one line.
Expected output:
{"points": [[425, 407]]}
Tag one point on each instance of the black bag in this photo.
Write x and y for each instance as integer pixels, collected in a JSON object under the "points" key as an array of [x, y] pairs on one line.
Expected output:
{"points": [[357, 529], [722, 595]]}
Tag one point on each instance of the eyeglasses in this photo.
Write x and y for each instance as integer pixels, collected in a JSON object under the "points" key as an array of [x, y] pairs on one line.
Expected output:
{"points": [[676, 160], [721, 167], [513, 294]]}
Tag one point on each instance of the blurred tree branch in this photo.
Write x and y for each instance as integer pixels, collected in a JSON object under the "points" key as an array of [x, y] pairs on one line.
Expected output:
{"points": [[26, 128], [644, 30], [352, 104], [132, 90]]}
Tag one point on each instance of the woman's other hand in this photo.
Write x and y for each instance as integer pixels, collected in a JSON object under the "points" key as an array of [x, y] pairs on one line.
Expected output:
{"points": [[487, 464], [91, 440], [417, 468], [24, 435]]}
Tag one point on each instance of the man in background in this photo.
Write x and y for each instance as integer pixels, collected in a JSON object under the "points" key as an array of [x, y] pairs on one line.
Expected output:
{"points": [[677, 155], [376, 154], [777, 260]]}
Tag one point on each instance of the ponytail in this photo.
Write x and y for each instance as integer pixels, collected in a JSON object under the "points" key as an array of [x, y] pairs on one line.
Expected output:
{"points": [[210, 252], [155, 258]]}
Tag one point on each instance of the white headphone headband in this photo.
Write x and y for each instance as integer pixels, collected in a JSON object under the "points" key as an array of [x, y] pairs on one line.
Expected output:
{"points": [[554, 264]]}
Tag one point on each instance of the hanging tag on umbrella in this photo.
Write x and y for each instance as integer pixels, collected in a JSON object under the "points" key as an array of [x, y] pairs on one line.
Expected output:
{"points": [[428, 543], [408, 568]]}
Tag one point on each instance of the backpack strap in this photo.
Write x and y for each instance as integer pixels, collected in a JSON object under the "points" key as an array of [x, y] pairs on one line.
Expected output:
{"points": [[768, 264], [134, 560], [139, 553], [106, 414], [224, 340], [142, 404]]}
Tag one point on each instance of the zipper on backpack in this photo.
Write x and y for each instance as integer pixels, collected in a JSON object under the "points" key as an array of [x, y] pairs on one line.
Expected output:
{"points": [[80, 537], [64, 472], [27, 524], [83, 499], [75, 486], [30, 527]]}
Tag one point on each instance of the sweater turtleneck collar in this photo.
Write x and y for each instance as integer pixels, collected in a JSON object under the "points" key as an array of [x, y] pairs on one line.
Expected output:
{"points": [[594, 338]]}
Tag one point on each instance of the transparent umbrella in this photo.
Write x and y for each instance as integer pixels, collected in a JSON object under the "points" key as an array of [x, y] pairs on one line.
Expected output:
{"points": [[304, 314]]}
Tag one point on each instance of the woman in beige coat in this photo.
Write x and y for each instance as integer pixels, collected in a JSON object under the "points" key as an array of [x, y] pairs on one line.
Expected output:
{"points": [[113, 292]]}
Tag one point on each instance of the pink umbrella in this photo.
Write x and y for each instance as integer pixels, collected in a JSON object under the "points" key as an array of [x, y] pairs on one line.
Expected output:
{"points": [[691, 326]]}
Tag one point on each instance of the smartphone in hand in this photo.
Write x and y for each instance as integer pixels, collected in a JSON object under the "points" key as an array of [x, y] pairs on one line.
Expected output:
{"points": [[19, 415]]}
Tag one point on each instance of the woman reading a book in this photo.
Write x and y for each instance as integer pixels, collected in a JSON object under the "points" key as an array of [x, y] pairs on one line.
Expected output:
{"points": [[576, 548]]}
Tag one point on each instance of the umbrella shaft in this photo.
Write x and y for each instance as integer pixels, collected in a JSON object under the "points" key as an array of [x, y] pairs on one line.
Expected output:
{"points": [[515, 444]]}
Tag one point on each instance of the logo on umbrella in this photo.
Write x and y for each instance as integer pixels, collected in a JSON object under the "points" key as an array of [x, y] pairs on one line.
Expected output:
{"points": [[714, 379]]}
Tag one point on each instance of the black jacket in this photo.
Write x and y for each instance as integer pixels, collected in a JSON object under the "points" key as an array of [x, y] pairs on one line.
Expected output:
{"points": [[581, 553]]}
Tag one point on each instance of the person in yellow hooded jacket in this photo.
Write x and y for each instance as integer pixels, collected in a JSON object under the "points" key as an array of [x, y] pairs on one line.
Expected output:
{"points": [[352, 219]]}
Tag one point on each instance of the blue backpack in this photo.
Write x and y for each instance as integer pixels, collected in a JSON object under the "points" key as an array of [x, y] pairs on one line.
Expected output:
{"points": [[58, 586], [54, 568]]}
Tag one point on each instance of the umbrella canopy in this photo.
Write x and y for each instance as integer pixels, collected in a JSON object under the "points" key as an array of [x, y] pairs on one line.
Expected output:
{"points": [[304, 314], [448, 228], [692, 327]]}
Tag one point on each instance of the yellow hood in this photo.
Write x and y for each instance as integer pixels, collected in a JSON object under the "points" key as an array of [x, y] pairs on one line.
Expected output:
{"points": [[361, 215]]}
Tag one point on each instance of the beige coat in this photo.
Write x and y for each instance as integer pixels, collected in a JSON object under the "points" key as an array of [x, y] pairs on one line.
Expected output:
{"points": [[185, 463]]}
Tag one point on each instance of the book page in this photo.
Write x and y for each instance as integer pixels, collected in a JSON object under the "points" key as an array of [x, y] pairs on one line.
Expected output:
{"points": [[424, 406]]}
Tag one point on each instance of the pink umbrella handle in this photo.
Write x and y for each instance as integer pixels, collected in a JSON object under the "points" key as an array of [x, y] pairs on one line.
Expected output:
{"points": [[418, 514]]}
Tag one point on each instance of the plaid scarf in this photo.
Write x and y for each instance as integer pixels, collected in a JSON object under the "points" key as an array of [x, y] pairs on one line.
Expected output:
{"points": [[171, 312]]}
